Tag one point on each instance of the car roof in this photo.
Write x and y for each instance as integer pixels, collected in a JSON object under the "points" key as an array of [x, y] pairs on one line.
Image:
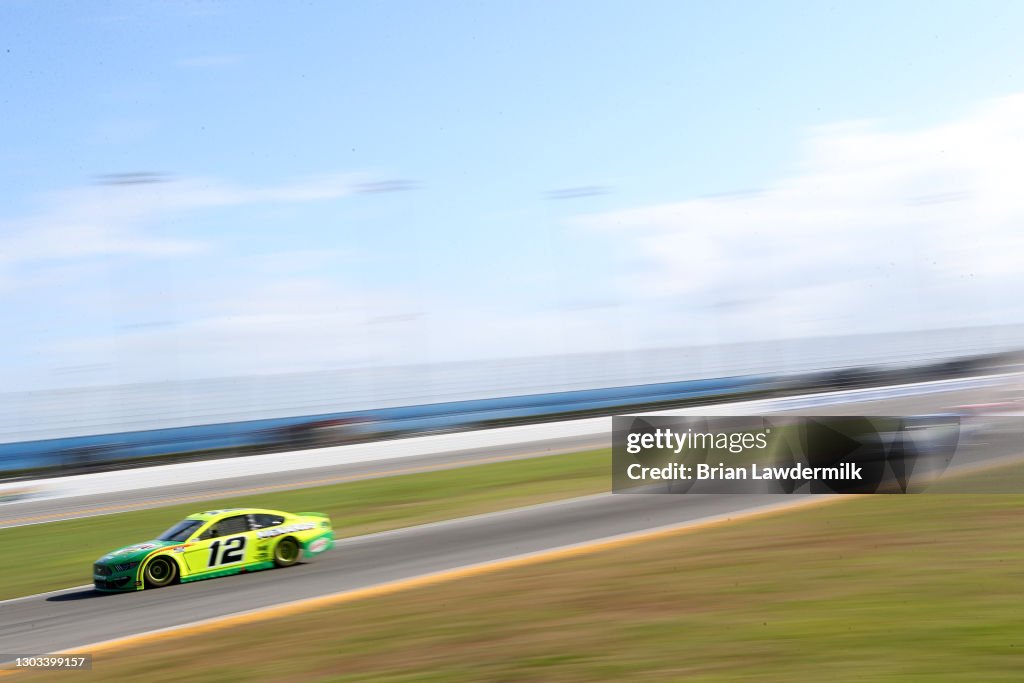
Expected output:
{"points": [[229, 512]]}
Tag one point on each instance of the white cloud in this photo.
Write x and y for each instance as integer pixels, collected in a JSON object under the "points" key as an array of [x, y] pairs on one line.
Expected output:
{"points": [[877, 230], [250, 323], [123, 219]]}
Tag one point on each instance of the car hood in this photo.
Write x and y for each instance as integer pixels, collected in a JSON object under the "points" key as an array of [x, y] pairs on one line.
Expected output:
{"points": [[135, 551]]}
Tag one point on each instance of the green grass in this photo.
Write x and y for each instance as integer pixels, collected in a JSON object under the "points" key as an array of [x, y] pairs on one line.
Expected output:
{"points": [[876, 588], [61, 553]]}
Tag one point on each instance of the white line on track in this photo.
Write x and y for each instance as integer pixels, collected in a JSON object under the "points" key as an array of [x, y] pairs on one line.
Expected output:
{"points": [[47, 593]]}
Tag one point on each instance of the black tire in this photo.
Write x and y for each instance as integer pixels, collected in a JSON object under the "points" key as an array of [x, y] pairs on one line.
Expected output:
{"points": [[286, 552], [160, 572]]}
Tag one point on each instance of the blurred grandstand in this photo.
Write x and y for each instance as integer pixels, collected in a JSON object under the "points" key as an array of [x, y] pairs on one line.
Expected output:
{"points": [[74, 430]]}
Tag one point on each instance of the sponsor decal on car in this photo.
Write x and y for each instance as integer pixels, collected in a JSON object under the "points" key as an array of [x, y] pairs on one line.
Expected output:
{"points": [[136, 548], [278, 530], [319, 545], [111, 556]]}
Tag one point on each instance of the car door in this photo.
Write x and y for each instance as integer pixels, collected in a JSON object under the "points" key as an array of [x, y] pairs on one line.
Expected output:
{"points": [[225, 544], [261, 543]]}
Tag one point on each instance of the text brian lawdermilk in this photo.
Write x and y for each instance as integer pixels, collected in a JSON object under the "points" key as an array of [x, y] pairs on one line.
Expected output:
{"points": [[733, 442]]}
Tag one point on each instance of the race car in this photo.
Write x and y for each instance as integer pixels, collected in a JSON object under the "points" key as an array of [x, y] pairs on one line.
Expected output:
{"points": [[215, 543]]}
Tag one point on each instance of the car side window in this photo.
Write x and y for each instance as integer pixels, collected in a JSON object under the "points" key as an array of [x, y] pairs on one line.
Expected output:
{"points": [[262, 521], [226, 527]]}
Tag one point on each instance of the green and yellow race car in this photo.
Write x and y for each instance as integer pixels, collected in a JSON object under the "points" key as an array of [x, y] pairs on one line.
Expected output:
{"points": [[215, 543]]}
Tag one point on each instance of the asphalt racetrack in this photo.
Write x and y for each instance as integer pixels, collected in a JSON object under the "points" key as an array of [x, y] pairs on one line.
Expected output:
{"points": [[80, 616]]}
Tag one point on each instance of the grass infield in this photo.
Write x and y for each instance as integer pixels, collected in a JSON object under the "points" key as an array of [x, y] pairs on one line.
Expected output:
{"points": [[61, 553]]}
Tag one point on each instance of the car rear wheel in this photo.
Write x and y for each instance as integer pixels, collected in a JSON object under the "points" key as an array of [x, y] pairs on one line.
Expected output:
{"points": [[160, 572], [286, 552]]}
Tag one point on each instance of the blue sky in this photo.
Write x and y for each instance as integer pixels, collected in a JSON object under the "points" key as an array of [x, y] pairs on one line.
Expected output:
{"points": [[263, 252]]}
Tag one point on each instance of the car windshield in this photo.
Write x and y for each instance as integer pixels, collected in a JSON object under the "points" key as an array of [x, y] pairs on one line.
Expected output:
{"points": [[180, 531]]}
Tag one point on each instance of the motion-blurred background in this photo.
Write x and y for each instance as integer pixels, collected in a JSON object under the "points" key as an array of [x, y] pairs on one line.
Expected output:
{"points": [[227, 228]]}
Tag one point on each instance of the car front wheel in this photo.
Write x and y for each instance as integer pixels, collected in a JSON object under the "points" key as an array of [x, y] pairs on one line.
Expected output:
{"points": [[160, 572]]}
